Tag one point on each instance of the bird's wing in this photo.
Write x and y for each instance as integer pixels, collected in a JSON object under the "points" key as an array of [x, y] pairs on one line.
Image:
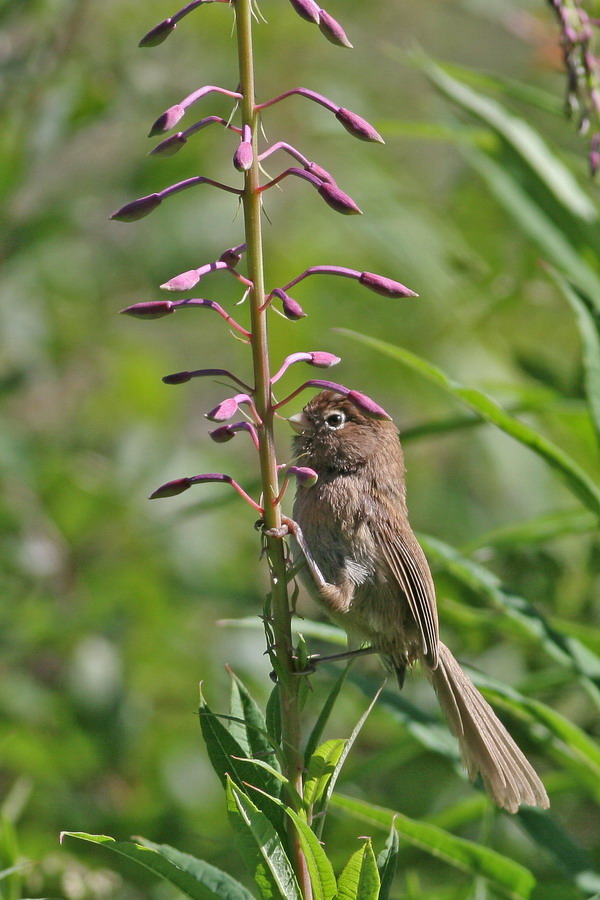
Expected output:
{"points": [[409, 567]]}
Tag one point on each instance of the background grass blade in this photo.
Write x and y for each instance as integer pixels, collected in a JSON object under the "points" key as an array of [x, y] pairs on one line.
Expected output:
{"points": [[193, 877], [261, 847], [574, 477], [512, 879]]}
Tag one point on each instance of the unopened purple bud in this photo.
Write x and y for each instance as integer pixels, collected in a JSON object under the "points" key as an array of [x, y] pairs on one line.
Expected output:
{"points": [[305, 476], [182, 282], [222, 434], [158, 34], [223, 411], [177, 378], [332, 30], [137, 209], [232, 255], [321, 173], [170, 146], [307, 9], [366, 405], [167, 120], [171, 488], [291, 308], [338, 200], [385, 286], [243, 156], [154, 309], [324, 360], [357, 126]]}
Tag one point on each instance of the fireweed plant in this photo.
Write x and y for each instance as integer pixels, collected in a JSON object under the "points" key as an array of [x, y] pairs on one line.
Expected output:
{"points": [[278, 786], [582, 90]]}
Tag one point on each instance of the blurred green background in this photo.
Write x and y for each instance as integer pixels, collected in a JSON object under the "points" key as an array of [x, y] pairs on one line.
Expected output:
{"points": [[110, 604]]}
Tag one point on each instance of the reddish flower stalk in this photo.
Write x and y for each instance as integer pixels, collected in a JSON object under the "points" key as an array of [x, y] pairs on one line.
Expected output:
{"points": [[329, 191], [137, 209], [179, 485], [364, 403], [173, 144], [156, 309], [182, 377], [386, 287], [172, 116]]}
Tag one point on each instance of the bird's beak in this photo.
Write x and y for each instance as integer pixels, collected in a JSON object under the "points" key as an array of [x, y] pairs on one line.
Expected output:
{"points": [[299, 422]]}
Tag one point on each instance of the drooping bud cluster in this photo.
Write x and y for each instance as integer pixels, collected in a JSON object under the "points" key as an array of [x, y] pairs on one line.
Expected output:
{"points": [[582, 94], [246, 401]]}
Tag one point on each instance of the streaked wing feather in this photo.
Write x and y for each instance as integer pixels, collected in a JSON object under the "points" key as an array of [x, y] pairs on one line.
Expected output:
{"points": [[408, 564]]}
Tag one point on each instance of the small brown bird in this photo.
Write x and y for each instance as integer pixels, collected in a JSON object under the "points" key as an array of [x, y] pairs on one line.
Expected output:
{"points": [[366, 569]]}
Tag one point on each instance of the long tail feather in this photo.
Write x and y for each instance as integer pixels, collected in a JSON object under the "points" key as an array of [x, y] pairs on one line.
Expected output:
{"points": [[485, 744]]}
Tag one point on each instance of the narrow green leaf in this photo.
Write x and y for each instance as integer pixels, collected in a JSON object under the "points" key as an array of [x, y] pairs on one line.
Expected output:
{"points": [[575, 862], [320, 869], [217, 882], [574, 477], [507, 876], [320, 630], [360, 877], [236, 725], [255, 726], [552, 238], [387, 862], [576, 749], [228, 760], [524, 139], [320, 769], [273, 714], [261, 847], [320, 807], [536, 530], [588, 322], [323, 717], [566, 650], [193, 877]]}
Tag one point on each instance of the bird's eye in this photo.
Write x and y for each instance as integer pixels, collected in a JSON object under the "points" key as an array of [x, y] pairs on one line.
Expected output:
{"points": [[335, 420]]}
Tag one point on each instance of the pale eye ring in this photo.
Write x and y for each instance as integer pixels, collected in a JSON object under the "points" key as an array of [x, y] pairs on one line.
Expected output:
{"points": [[335, 420]]}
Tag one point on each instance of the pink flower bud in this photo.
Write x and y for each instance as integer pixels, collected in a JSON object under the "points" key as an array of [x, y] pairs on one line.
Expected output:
{"points": [[307, 9], [291, 308], [222, 434], [321, 173], [170, 146], [338, 200], [232, 255], [154, 309], [366, 405], [305, 476], [137, 209], [223, 411], [158, 34], [324, 360], [243, 156], [332, 30], [385, 286], [182, 282], [171, 488], [357, 126], [167, 120]]}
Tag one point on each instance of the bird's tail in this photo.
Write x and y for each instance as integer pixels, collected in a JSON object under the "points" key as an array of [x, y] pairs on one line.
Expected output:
{"points": [[485, 744]]}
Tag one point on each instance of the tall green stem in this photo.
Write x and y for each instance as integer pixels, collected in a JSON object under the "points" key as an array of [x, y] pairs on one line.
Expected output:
{"points": [[280, 608]]}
